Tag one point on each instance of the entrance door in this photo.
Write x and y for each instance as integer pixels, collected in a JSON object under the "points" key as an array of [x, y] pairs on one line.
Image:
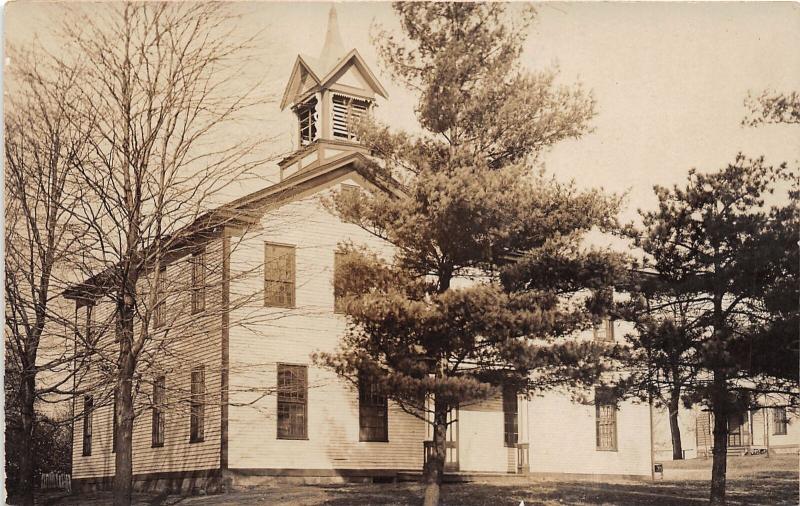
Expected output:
{"points": [[451, 446], [738, 430]]}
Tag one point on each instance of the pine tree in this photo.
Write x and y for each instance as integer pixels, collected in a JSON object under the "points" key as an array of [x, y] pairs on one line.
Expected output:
{"points": [[490, 277], [662, 362], [722, 249]]}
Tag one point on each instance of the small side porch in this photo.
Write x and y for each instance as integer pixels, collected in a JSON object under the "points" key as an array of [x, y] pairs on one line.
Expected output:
{"points": [[747, 433], [487, 437], [518, 459]]}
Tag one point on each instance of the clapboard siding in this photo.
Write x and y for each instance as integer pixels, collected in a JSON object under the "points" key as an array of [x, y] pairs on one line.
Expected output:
{"points": [[262, 337], [561, 433], [563, 438], [186, 341], [480, 437]]}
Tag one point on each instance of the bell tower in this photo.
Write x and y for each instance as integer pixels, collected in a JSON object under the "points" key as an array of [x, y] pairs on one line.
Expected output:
{"points": [[328, 95]]}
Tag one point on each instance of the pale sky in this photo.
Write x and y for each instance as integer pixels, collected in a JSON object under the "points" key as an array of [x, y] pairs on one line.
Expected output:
{"points": [[669, 78]]}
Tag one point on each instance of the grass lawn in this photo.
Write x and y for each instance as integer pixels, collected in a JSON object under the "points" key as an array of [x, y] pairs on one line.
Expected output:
{"points": [[752, 480]]}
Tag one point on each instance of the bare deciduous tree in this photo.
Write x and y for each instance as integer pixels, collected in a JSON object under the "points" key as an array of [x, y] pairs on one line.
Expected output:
{"points": [[44, 148], [163, 81]]}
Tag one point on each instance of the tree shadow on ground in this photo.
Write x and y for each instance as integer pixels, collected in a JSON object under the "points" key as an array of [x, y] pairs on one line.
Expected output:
{"points": [[771, 489]]}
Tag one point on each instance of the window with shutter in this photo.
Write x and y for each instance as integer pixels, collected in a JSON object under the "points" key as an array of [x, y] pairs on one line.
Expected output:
{"points": [[510, 415], [606, 420], [292, 401], [279, 275], [159, 391], [373, 412], [198, 405], [88, 413], [347, 112], [198, 261]]}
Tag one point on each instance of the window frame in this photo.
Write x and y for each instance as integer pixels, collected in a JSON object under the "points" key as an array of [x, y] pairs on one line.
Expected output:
{"points": [[158, 423], [114, 419], [290, 400], [197, 405], [510, 418], [306, 122], [604, 330], [372, 406], [605, 415], [290, 282], [780, 421], [160, 309], [88, 329], [338, 301], [88, 414], [198, 280]]}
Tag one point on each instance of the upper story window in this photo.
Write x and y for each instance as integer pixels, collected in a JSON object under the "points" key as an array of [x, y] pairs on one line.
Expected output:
{"points": [[604, 330], [307, 117], [160, 311], [338, 297], [198, 281], [87, 333], [279, 275], [347, 111]]}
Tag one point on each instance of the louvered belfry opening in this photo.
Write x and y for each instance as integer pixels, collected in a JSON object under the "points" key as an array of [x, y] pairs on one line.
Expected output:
{"points": [[347, 112]]}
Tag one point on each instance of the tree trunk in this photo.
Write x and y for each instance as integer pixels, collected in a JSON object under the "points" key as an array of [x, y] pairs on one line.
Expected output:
{"points": [[674, 427], [434, 468], [28, 422], [720, 461], [123, 475]]}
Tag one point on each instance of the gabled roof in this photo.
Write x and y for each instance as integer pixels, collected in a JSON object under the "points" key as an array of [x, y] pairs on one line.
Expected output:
{"points": [[324, 69], [313, 67], [247, 210]]}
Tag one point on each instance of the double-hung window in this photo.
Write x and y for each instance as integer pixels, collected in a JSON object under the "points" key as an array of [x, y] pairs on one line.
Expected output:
{"points": [[338, 296], [606, 420], [160, 310], [604, 330], [198, 281], [197, 405], [510, 417], [779, 421], [279, 275], [159, 391], [292, 401], [114, 422], [373, 412], [88, 412]]}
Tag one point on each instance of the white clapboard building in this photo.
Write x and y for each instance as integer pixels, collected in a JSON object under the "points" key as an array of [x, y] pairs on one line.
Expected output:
{"points": [[239, 400]]}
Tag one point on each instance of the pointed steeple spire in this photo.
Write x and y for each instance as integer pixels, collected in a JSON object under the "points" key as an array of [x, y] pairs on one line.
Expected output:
{"points": [[333, 49]]}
